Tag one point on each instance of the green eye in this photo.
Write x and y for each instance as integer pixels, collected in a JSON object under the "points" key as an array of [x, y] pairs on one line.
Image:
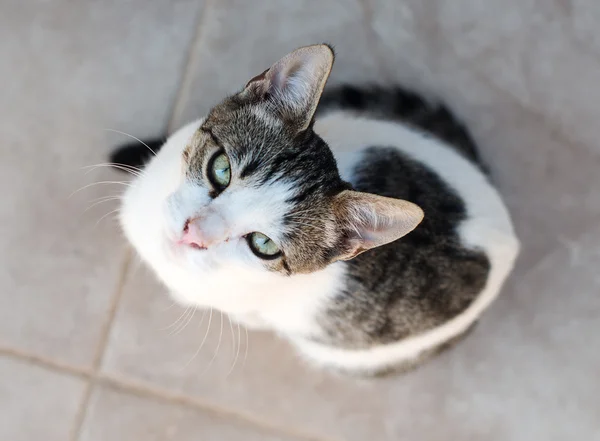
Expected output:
{"points": [[219, 171], [262, 246]]}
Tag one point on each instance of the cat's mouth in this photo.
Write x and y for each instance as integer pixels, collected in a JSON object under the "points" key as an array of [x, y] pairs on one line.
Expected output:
{"points": [[183, 245], [194, 246]]}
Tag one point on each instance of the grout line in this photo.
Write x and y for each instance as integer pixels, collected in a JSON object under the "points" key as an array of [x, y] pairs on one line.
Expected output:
{"points": [[188, 70], [81, 412], [62, 368], [101, 348], [112, 312], [45, 362], [146, 390]]}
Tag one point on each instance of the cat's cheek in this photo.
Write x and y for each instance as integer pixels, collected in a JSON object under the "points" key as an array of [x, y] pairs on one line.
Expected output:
{"points": [[171, 225], [237, 254], [232, 253]]}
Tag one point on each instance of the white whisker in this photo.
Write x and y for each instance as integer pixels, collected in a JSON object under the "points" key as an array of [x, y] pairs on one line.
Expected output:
{"points": [[239, 338], [178, 320], [217, 349], [133, 137], [129, 169], [99, 183], [232, 348], [112, 164], [106, 215], [245, 348], [173, 303], [203, 339], [102, 200], [189, 319]]}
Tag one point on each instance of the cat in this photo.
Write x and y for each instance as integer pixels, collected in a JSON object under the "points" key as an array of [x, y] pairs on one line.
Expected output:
{"points": [[358, 223]]}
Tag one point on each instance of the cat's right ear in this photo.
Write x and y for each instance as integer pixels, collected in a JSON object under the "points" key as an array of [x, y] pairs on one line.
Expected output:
{"points": [[294, 84], [368, 221]]}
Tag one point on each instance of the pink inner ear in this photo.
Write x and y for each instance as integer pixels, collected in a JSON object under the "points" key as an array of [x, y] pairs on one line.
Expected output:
{"points": [[376, 220], [291, 82]]}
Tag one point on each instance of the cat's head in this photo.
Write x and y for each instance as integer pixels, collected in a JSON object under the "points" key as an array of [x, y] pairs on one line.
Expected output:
{"points": [[260, 189]]}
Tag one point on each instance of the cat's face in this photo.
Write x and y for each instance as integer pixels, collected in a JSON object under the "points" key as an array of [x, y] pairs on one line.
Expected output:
{"points": [[260, 190], [254, 191]]}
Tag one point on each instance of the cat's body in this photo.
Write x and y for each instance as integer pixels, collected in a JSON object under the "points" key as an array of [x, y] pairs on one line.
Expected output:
{"points": [[370, 312]]}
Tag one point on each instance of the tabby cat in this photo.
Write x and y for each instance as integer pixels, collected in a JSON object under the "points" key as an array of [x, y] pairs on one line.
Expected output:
{"points": [[360, 225]]}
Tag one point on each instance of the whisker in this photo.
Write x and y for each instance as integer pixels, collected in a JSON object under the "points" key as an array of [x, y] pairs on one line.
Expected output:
{"points": [[113, 164], [98, 183], [203, 341], [133, 137], [132, 171], [173, 303], [202, 318], [233, 347], [217, 349], [104, 199], [176, 321], [187, 313], [106, 215], [190, 317], [245, 348], [107, 197], [237, 352]]}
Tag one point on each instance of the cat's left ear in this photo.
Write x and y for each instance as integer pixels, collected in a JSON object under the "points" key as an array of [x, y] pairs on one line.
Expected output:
{"points": [[295, 83], [368, 221]]}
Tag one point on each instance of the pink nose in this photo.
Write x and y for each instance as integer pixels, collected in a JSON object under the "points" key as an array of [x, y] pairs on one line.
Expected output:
{"points": [[192, 235]]}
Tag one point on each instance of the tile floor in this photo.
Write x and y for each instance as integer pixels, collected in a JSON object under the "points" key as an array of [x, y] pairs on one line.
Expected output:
{"points": [[92, 348]]}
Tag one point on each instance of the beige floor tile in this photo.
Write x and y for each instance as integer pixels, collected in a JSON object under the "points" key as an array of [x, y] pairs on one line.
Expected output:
{"points": [[118, 416], [70, 71], [530, 49], [36, 404], [523, 374], [585, 16], [405, 37], [239, 39], [486, 32]]}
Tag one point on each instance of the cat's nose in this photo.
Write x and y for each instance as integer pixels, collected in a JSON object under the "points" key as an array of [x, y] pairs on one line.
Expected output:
{"points": [[193, 236]]}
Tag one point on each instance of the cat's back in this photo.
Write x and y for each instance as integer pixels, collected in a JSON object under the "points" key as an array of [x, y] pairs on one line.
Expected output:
{"points": [[400, 146]]}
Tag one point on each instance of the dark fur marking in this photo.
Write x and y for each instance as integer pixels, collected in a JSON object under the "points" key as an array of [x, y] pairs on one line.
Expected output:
{"points": [[286, 267], [397, 103], [250, 167], [135, 154], [415, 283]]}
